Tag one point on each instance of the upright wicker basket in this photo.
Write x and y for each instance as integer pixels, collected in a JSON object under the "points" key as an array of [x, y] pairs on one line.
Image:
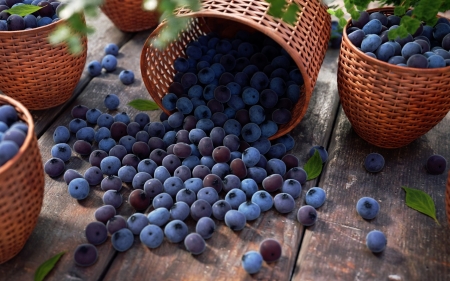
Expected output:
{"points": [[388, 105], [129, 16], [36, 73], [21, 189], [306, 42]]}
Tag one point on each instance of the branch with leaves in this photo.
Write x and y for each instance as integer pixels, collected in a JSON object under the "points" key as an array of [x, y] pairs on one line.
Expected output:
{"points": [[75, 26], [423, 11]]}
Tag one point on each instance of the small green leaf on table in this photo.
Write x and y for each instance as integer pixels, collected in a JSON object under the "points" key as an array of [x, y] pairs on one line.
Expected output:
{"points": [[23, 10], [46, 267], [420, 201], [144, 105], [313, 167]]}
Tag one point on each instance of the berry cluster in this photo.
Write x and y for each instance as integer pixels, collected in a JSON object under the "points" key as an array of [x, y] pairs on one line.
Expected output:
{"points": [[109, 63], [47, 14], [246, 84], [12, 133], [428, 47], [180, 174]]}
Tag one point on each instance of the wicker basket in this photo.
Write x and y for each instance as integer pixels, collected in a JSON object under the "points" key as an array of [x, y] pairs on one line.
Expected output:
{"points": [[128, 15], [306, 42], [21, 189], [388, 105], [36, 73]]}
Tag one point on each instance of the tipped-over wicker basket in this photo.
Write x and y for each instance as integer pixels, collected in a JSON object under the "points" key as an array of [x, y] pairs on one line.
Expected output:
{"points": [[306, 42], [21, 189], [36, 73], [129, 16], [388, 105]]}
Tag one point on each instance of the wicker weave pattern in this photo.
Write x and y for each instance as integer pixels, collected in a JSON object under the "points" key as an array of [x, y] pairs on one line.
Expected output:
{"points": [[35, 72], [306, 42], [21, 190], [129, 16], [388, 105]]}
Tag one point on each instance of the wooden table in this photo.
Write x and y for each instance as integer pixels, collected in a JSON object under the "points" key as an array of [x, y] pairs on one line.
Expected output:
{"points": [[333, 249]]}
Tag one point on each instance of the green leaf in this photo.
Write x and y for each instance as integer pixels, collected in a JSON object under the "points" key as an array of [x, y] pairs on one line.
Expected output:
{"points": [[276, 8], [399, 11], [313, 167], [339, 13], [23, 10], [145, 105], [342, 22], [46, 267], [290, 16], [420, 201]]}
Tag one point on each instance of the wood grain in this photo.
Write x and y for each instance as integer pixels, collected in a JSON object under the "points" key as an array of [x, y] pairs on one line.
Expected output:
{"points": [[334, 248]]}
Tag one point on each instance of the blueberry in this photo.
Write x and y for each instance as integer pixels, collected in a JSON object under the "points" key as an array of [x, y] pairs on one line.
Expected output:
{"points": [[181, 64], [292, 187], [8, 149], [109, 62], [315, 197], [175, 231], [122, 239], [436, 164], [370, 43], [307, 215], [136, 223], [85, 255], [374, 162], [159, 216], [126, 77], [111, 101], [169, 101], [94, 68], [110, 165], [79, 188], [92, 115], [152, 236], [105, 120], [61, 151], [376, 241], [76, 124], [284, 203], [111, 49], [263, 199], [250, 209], [367, 208], [252, 262], [235, 220]]}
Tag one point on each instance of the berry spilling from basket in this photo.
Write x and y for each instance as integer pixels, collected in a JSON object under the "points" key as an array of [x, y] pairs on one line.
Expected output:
{"points": [[246, 84], [21, 15], [12, 133], [428, 47]]}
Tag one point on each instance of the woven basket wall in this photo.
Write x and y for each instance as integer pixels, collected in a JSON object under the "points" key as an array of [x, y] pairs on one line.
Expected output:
{"points": [[21, 189], [36, 73], [390, 106], [306, 42], [128, 15]]}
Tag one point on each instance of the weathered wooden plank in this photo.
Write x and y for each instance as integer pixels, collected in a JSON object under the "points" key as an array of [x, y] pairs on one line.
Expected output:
{"points": [[105, 33], [62, 220], [222, 259], [418, 248]]}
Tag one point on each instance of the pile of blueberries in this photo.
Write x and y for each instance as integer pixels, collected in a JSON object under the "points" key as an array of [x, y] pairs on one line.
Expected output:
{"points": [[247, 84], [180, 174], [46, 15], [428, 47], [13, 132]]}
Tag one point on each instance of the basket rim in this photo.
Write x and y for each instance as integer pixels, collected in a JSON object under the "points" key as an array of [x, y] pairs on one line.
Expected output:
{"points": [[377, 62], [28, 139]]}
